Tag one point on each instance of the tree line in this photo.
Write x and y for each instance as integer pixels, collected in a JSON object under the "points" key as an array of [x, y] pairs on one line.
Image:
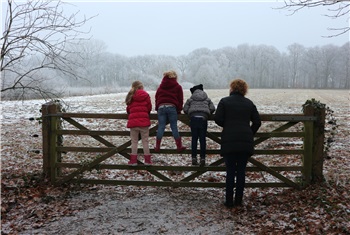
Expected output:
{"points": [[319, 67], [43, 55]]}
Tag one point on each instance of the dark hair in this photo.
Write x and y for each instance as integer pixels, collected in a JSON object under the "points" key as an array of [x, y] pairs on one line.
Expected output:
{"points": [[239, 86]]}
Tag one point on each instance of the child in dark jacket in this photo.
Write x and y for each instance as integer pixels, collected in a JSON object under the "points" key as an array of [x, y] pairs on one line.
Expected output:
{"points": [[138, 108], [198, 107]]}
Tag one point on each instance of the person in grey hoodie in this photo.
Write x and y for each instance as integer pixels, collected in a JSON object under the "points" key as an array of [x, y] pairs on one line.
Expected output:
{"points": [[198, 107]]}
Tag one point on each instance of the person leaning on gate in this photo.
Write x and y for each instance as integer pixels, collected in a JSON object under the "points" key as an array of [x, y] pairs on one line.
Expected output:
{"points": [[169, 100], [198, 107], [138, 109], [240, 120]]}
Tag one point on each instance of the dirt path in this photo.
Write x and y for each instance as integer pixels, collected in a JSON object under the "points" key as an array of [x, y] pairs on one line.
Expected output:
{"points": [[146, 211]]}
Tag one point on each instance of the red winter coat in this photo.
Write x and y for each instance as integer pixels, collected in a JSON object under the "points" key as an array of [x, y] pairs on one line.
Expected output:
{"points": [[139, 110], [170, 92]]}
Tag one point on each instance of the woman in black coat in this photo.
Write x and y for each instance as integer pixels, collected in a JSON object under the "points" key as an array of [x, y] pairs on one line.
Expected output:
{"points": [[240, 121]]}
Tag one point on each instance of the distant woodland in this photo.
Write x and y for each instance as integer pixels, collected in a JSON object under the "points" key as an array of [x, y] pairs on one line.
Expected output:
{"points": [[326, 67], [43, 55]]}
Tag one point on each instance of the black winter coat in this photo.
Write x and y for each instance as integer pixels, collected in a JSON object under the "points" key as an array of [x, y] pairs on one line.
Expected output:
{"points": [[240, 121]]}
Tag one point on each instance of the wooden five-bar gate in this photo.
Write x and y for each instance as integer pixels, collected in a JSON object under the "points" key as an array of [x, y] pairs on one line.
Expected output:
{"points": [[291, 143]]}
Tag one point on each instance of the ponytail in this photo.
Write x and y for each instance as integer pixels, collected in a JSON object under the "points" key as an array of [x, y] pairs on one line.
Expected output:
{"points": [[134, 87]]}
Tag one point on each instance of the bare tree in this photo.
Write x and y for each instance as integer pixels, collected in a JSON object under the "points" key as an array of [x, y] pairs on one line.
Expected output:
{"points": [[296, 54], [89, 54], [336, 9], [182, 64], [33, 45]]}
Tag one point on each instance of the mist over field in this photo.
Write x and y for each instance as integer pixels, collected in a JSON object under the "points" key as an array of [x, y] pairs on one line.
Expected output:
{"points": [[100, 72]]}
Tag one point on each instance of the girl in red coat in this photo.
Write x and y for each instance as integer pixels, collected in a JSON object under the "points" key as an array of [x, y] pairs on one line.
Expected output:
{"points": [[169, 101], [138, 108]]}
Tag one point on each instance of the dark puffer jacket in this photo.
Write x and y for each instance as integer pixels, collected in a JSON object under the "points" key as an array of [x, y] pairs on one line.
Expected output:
{"points": [[234, 113], [139, 110], [199, 105]]}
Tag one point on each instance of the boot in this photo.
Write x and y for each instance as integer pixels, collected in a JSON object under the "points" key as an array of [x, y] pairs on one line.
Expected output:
{"points": [[238, 200], [194, 161], [133, 160], [179, 146], [229, 200], [157, 148], [148, 160], [228, 204], [202, 162]]}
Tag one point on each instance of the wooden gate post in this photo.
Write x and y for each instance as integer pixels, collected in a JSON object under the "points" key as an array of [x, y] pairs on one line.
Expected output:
{"points": [[318, 140], [49, 127], [308, 146]]}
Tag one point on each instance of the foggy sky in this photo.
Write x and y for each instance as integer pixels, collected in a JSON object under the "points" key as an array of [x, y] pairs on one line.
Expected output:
{"points": [[177, 28]]}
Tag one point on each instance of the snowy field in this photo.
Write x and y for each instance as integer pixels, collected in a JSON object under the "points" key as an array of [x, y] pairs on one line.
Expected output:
{"points": [[30, 206]]}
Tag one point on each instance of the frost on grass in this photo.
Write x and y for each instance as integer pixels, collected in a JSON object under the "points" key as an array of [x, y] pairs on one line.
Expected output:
{"points": [[31, 206]]}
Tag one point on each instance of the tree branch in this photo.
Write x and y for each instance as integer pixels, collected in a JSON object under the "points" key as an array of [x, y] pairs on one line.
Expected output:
{"points": [[34, 30], [342, 9]]}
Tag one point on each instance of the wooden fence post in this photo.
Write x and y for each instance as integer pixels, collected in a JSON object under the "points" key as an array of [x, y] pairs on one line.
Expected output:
{"points": [[317, 141], [308, 144], [49, 127], [318, 146], [45, 111]]}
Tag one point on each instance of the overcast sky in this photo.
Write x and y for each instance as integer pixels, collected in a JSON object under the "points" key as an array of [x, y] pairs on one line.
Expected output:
{"points": [[178, 27]]}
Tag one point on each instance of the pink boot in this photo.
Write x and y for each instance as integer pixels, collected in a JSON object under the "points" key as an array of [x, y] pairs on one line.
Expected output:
{"points": [[133, 160], [179, 146], [148, 160]]}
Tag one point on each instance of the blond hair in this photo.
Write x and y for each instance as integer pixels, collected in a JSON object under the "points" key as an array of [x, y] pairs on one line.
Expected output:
{"points": [[134, 87], [170, 74], [239, 86]]}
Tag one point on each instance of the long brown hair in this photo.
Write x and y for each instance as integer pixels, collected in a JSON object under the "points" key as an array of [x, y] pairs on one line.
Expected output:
{"points": [[134, 87]]}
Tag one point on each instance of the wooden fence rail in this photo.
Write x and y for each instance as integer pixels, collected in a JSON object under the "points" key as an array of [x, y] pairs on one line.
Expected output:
{"points": [[57, 126]]}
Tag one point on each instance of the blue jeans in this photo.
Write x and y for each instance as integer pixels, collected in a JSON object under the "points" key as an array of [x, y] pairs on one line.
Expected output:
{"points": [[167, 114], [199, 128], [235, 167]]}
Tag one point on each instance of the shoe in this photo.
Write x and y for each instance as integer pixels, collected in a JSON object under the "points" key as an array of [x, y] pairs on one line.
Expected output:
{"points": [[238, 201], [179, 146], [202, 163], [148, 160], [194, 161], [133, 160], [157, 148], [228, 204]]}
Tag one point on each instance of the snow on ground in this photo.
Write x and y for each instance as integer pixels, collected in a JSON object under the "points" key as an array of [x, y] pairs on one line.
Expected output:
{"points": [[150, 210]]}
